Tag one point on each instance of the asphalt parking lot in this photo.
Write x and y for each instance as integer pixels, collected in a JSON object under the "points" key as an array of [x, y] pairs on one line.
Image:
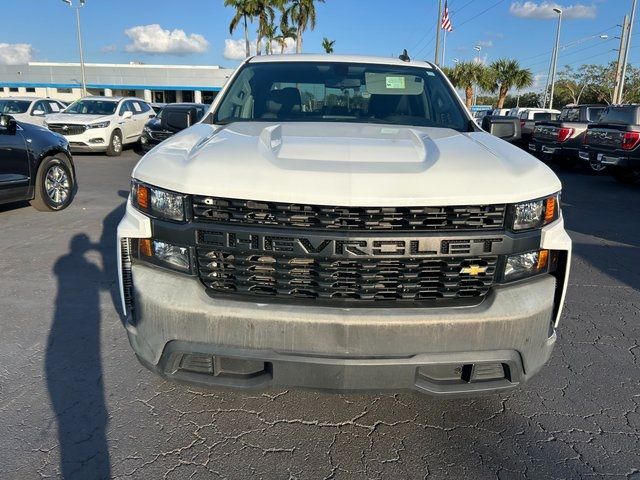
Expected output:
{"points": [[74, 402]]}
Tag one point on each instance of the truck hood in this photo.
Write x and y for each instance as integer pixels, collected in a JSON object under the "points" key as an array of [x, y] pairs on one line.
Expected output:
{"points": [[76, 118], [346, 164]]}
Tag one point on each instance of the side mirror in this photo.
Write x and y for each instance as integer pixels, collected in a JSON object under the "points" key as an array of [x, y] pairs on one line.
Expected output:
{"points": [[38, 113], [8, 125], [506, 128], [178, 117], [127, 114]]}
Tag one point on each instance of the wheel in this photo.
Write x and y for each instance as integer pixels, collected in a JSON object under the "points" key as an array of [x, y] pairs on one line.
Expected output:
{"points": [[54, 185], [115, 144], [625, 175], [595, 167]]}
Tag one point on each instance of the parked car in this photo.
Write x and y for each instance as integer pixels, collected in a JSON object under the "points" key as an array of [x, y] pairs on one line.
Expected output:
{"points": [[501, 112], [155, 132], [102, 124], [530, 118], [561, 140], [30, 110], [614, 142], [35, 166], [157, 107], [261, 243]]}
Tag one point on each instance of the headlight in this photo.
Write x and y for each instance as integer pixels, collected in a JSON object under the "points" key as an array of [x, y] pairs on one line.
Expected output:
{"points": [[99, 125], [528, 264], [535, 214], [157, 202], [162, 254]]}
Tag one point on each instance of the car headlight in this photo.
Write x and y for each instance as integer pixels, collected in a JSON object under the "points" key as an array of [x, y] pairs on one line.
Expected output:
{"points": [[99, 125], [535, 214], [528, 264], [163, 254], [157, 202]]}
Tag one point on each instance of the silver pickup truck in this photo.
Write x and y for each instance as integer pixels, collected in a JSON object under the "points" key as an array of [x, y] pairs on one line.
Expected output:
{"points": [[561, 140]]}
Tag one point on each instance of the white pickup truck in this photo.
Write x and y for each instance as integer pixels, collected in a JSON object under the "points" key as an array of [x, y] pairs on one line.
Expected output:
{"points": [[342, 223]]}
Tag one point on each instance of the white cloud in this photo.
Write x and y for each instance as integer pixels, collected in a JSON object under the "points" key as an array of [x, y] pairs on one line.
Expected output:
{"points": [[109, 48], [545, 10], [235, 49], [486, 43], [15, 53], [154, 39]]}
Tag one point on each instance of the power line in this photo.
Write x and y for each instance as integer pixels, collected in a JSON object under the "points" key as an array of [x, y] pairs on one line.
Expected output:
{"points": [[481, 13]]}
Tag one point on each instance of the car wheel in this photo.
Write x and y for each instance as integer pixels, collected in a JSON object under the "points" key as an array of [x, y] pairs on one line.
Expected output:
{"points": [[595, 166], [625, 175], [54, 186], [115, 144]]}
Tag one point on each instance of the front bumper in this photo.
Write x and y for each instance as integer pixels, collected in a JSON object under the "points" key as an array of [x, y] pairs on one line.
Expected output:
{"points": [[182, 333]]}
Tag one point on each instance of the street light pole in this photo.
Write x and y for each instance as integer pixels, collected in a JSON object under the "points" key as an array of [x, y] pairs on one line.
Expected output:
{"points": [[627, 47], [555, 56], [475, 96], [623, 43], [77, 8]]}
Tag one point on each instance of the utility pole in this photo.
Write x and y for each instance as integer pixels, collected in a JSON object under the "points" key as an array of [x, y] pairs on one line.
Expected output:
{"points": [[555, 57], [546, 85], [617, 98], [625, 60], [438, 20]]}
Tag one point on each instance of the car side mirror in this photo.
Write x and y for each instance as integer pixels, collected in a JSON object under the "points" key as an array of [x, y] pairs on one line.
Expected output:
{"points": [[38, 113], [8, 125], [506, 128], [127, 114], [179, 117]]}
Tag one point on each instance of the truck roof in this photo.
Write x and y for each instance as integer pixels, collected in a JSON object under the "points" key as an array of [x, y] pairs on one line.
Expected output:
{"points": [[303, 57]]}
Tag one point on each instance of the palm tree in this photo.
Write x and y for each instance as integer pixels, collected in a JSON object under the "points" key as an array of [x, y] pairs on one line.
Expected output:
{"points": [[286, 32], [303, 15], [263, 11], [506, 74], [328, 45], [244, 11], [468, 75], [271, 37]]}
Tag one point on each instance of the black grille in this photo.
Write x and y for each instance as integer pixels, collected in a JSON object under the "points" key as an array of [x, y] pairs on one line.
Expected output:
{"points": [[372, 279], [249, 212], [65, 129], [160, 135]]}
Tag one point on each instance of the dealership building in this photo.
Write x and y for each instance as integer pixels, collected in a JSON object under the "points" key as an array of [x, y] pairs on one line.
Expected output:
{"points": [[153, 83]]}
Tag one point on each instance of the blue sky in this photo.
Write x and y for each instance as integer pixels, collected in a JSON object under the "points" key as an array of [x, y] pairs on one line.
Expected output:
{"points": [[45, 30]]}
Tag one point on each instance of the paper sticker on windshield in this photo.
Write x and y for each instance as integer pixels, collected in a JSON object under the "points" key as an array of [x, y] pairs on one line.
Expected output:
{"points": [[136, 107], [54, 107], [395, 83]]}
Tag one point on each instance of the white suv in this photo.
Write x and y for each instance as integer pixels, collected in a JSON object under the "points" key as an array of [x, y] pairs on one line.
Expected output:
{"points": [[102, 124], [30, 110]]}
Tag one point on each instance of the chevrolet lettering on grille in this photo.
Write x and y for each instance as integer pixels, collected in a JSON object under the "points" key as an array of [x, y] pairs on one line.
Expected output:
{"points": [[351, 247]]}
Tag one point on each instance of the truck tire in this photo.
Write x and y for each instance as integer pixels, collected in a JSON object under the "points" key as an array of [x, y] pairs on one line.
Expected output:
{"points": [[115, 144], [595, 167], [627, 176], [54, 186]]}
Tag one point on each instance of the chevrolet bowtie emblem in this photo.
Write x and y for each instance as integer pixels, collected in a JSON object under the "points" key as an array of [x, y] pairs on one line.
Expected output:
{"points": [[473, 270]]}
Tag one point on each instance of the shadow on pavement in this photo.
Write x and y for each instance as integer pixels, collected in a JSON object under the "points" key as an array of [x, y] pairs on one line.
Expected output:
{"points": [[73, 363]]}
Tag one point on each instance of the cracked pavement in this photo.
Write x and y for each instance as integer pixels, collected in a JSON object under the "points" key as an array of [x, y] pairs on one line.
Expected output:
{"points": [[75, 403]]}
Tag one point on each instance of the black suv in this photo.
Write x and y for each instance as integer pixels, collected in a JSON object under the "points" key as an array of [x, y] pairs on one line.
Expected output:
{"points": [[614, 142], [35, 165], [155, 131]]}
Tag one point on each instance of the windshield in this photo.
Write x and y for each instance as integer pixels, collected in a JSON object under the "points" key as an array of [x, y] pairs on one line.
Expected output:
{"points": [[341, 92], [92, 107], [14, 106]]}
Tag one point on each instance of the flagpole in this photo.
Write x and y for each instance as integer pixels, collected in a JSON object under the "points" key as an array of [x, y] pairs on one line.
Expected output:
{"points": [[438, 21]]}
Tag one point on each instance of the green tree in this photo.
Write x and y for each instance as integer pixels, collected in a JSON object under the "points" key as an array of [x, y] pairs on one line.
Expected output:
{"points": [[468, 75], [264, 12], [328, 45], [244, 13], [286, 32], [505, 74], [302, 14]]}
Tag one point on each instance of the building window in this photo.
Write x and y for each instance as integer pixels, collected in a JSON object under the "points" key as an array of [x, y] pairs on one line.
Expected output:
{"points": [[130, 93], [187, 96], [208, 96], [30, 90], [64, 90], [13, 89]]}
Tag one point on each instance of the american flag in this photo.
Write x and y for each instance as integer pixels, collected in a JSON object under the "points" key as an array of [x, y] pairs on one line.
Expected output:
{"points": [[446, 21]]}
